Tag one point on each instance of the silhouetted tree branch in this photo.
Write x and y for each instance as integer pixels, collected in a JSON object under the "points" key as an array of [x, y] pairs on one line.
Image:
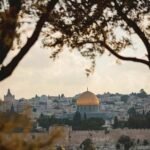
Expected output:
{"points": [[113, 52], [97, 21], [133, 59], [78, 25], [135, 27], [6, 71]]}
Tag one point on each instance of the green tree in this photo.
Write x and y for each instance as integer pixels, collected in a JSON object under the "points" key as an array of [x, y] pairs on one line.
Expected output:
{"points": [[91, 124], [139, 121], [132, 111], [148, 119], [60, 148], [87, 144], [74, 100], [142, 93], [125, 141], [116, 122], [145, 142], [118, 146], [124, 98], [44, 121], [138, 141], [85, 117], [76, 120], [77, 117], [34, 110]]}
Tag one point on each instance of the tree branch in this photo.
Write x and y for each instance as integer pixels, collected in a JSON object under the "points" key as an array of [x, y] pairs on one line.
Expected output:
{"points": [[113, 52], [6, 71], [133, 59], [135, 27]]}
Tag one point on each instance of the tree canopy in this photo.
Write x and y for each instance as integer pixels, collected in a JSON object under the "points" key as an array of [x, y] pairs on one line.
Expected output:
{"points": [[11, 20], [125, 141], [90, 27], [87, 144]]}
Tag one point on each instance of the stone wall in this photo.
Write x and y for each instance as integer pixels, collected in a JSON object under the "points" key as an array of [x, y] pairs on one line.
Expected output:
{"points": [[100, 137]]}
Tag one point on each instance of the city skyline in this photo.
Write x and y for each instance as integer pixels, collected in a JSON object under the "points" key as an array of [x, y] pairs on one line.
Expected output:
{"points": [[67, 74], [38, 74]]}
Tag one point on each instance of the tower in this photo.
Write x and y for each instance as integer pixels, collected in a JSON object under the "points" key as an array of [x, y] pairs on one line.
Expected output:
{"points": [[9, 97]]}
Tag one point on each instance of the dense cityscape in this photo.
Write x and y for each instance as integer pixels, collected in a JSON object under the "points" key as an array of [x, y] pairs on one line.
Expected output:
{"points": [[100, 118]]}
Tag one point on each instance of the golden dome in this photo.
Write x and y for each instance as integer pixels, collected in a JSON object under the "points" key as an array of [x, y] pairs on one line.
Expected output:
{"points": [[88, 98]]}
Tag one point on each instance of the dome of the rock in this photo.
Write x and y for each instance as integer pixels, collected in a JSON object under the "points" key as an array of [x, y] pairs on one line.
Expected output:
{"points": [[87, 99], [88, 102]]}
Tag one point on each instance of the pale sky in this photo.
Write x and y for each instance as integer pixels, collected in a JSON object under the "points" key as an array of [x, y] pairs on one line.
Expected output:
{"points": [[38, 74]]}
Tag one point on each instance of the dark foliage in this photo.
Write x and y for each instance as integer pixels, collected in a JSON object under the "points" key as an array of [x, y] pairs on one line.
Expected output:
{"points": [[77, 123], [125, 141], [135, 121], [87, 144], [87, 26]]}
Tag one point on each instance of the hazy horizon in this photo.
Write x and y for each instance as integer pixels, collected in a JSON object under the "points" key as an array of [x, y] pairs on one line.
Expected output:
{"points": [[38, 74]]}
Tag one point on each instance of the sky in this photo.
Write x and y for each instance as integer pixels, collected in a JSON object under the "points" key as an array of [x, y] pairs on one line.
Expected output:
{"points": [[38, 74]]}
